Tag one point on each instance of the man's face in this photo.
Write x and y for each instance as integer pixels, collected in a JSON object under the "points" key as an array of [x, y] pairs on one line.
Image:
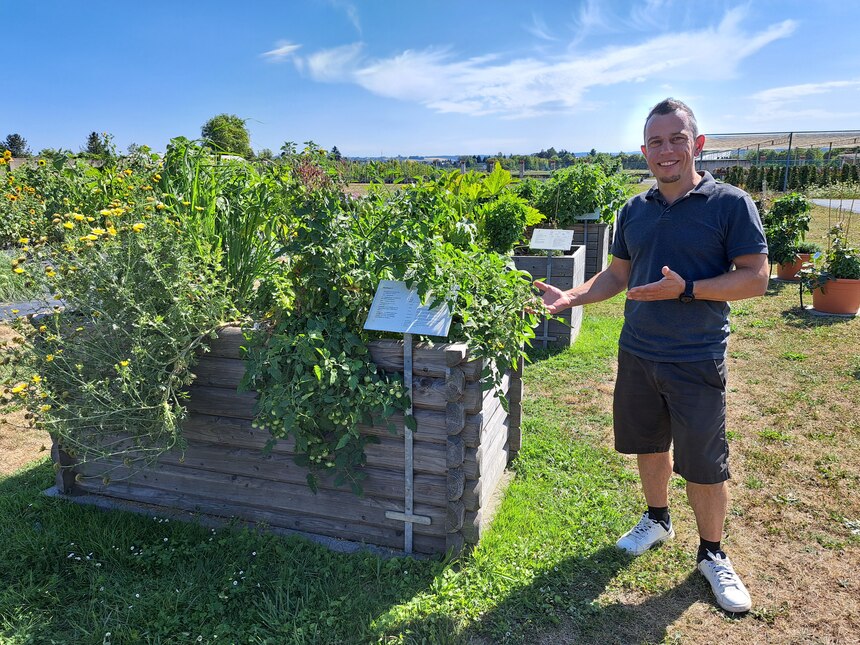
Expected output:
{"points": [[670, 148]]}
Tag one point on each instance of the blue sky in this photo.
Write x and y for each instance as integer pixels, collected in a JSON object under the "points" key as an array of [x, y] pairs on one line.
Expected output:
{"points": [[423, 77]]}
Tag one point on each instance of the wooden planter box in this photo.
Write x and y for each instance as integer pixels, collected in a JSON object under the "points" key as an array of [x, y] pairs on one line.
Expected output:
{"points": [[568, 271], [463, 442], [595, 237]]}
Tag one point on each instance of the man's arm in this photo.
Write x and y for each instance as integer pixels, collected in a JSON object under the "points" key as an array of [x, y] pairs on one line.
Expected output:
{"points": [[604, 285], [749, 279]]}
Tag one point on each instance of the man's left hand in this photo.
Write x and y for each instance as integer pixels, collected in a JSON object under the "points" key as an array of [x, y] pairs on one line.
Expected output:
{"points": [[668, 288]]}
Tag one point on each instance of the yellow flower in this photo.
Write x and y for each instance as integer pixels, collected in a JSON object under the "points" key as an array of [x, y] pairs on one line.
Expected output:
{"points": [[43, 328], [7, 154], [147, 187], [127, 171], [91, 219], [150, 198], [41, 162], [50, 273], [68, 225], [37, 378], [160, 206], [15, 311], [49, 358], [111, 230], [23, 240], [157, 177], [124, 363], [18, 270], [44, 408], [138, 227], [2, 162], [78, 217], [98, 231], [105, 211], [19, 388]]}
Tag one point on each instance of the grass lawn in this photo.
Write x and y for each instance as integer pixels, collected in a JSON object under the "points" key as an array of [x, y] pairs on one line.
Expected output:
{"points": [[547, 572]]}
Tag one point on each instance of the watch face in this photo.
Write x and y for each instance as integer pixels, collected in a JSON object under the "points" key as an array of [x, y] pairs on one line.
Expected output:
{"points": [[685, 298]]}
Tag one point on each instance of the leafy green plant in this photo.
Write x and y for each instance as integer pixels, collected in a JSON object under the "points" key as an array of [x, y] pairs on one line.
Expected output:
{"points": [[505, 220], [579, 190], [786, 224], [840, 261]]}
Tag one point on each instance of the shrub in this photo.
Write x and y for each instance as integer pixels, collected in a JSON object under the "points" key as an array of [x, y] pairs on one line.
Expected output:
{"points": [[578, 190]]}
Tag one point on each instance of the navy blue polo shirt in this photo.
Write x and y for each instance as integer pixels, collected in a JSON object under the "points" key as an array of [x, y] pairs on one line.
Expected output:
{"points": [[698, 237]]}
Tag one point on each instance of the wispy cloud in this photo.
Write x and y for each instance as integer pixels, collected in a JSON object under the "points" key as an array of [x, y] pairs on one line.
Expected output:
{"points": [[790, 93], [797, 102], [538, 28], [351, 12], [283, 51], [525, 87]]}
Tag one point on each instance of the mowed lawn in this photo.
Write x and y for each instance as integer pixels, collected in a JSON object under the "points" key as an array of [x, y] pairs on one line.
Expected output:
{"points": [[547, 572]]}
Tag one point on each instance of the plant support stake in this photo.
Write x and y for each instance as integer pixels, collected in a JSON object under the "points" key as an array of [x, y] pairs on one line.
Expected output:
{"points": [[407, 516]]}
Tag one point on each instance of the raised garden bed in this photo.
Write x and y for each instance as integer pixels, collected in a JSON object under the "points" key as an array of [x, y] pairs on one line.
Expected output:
{"points": [[463, 442], [568, 271]]}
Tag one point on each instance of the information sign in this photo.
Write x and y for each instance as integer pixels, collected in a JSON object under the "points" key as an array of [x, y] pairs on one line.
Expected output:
{"points": [[398, 309], [551, 239]]}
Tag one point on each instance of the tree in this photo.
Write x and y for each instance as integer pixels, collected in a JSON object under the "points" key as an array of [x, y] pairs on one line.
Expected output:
{"points": [[265, 154], [16, 144], [335, 154], [227, 133], [96, 146]]}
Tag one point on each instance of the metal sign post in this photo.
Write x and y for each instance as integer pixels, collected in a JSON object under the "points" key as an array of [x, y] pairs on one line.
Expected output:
{"points": [[398, 309], [549, 240]]}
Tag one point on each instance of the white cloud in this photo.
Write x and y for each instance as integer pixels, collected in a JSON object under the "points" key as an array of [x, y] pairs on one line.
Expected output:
{"points": [[334, 65], [820, 103], [791, 93], [283, 51], [538, 29], [351, 12], [527, 87]]}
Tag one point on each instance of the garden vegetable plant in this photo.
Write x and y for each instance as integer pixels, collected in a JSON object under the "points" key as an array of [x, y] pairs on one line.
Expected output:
{"points": [[152, 255]]}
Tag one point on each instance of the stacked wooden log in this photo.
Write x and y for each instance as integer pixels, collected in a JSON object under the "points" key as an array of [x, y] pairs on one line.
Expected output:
{"points": [[463, 442]]}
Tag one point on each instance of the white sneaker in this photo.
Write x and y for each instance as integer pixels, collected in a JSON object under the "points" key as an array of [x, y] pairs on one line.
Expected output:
{"points": [[731, 593], [644, 535]]}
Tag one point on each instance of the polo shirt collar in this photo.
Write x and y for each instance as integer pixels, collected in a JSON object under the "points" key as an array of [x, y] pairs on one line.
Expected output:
{"points": [[705, 187]]}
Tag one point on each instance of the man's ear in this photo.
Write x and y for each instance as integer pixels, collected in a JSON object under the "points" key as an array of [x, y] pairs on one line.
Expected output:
{"points": [[700, 143]]}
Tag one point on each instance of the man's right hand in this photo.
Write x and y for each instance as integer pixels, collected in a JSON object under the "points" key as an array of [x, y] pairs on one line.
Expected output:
{"points": [[554, 298]]}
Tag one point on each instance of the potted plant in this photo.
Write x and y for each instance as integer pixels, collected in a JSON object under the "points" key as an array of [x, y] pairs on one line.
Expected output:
{"points": [[835, 278], [786, 225], [790, 271]]}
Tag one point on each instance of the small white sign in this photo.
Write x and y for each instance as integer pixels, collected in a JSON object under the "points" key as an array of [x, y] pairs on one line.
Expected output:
{"points": [[398, 309], [551, 239]]}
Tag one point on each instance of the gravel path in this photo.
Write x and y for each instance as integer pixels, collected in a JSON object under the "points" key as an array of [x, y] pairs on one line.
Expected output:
{"points": [[836, 204]]}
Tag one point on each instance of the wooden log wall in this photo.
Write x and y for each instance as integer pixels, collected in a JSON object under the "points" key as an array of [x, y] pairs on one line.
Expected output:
{"points": [[568, 271], [463, 442], [596, 238]]}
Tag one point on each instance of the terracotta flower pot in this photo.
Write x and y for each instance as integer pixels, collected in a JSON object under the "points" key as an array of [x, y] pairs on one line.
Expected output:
{"points": [[840, 296], [789, 271]]}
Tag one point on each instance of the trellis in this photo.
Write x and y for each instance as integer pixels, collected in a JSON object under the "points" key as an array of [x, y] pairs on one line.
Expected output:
{"points": [[716, 144]]}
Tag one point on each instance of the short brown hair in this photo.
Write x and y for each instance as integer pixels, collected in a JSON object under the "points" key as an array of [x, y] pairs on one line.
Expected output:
{"points": [[670, 105]]}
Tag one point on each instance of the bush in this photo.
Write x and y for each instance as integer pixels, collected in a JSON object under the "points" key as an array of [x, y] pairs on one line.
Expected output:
{"points": [[578, 190]]}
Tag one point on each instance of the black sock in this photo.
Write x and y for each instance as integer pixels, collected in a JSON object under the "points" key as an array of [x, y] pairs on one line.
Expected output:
{"points": [[659, 514], [704, 547]]}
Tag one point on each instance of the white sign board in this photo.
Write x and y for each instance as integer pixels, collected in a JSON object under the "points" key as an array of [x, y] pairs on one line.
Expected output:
{"points": [[551, 239], [398, 309]]}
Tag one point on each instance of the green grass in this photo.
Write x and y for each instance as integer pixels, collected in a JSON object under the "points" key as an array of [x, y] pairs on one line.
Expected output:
{"points": [[77, 573]]}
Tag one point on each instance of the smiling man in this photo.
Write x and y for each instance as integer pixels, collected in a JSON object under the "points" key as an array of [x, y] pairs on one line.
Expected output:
{"points": [[682, 250]]}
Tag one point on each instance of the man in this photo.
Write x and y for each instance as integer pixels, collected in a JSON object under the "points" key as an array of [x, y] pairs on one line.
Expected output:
{"points": [[682, 250]]}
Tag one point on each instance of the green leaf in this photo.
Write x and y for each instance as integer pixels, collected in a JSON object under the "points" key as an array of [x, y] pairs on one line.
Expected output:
{"points": [[318, 372]]}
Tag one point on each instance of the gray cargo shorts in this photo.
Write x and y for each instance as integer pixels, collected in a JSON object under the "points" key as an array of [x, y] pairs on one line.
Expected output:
{"points": [[657, 405]]}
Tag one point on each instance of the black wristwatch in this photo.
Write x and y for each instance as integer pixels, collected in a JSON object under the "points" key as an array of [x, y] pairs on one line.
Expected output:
{"points": [[687, 296]]}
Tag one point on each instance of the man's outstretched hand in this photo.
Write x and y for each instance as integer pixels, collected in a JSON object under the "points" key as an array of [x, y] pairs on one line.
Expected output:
{"points": [[668, 288], [554, 299]]}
